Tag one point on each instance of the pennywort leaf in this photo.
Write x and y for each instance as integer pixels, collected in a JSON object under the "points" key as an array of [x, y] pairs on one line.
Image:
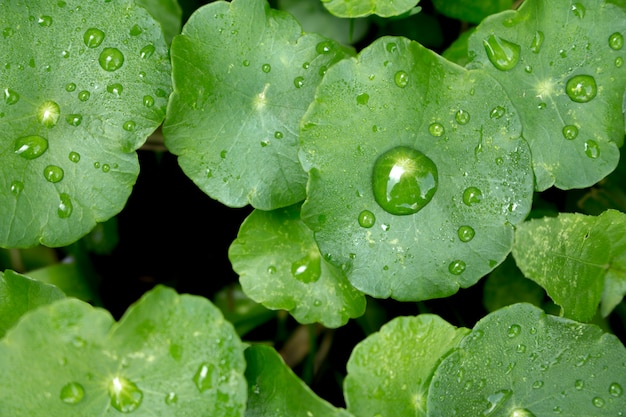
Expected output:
{"points": [[82, 84], [561, 64], [417, 171], [362, 8], [244, 75], [472, 11]]}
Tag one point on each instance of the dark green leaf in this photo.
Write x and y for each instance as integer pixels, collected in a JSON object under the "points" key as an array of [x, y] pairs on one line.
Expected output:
{"points": [[361, 8], [472, 11]]}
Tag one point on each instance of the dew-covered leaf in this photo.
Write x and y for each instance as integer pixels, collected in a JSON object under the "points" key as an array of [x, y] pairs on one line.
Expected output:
{"points": [[472, 11], [169, 355], [562, 65], [520, 362], [82, 85], [389, 372], [417, 171], [274, 390], [362, 8], [243, 77], [280, 266], [19, 294], [580, 260]]}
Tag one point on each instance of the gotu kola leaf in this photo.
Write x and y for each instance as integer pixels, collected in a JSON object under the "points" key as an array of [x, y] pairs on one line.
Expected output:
{"points": [[520, 362], [580, 260], [243, 77], [82, 84], [169, 355], [362, 8], [417, 171], [561, 64]]}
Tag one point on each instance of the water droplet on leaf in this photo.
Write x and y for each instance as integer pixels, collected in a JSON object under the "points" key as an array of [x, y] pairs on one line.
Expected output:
{"points": [[462, 117], [436, 129], [537, 41], [362, 99], [324, 47], [30, 147], [581, 88], [65, 206], [69, 87], [401, 79], [17, 187], [171, 398], [72, 393], [497, 112], [514, 330], [129, 125], [48, 113], [404, 180], [497, 400], [111, 59], [457, 267], [10, 96], [278, 135], [147, 51], [501, 53], [53, 173], [308, 268], [74, 157], [616, 41], [204, 377], [472, 195], [466, 233], [578, 10], [136, 30], [521, 412], [115, 89], [598, 402], [125, 396], [592, 149], [570, 132], [84, 95], [44, 21], [298, 82], [266, 68], [93, 37], [148, 101], [616, 390], [367, 219]]}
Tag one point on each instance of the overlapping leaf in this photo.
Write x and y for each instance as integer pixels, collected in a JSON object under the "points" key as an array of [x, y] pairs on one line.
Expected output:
{"points": [[82, 84], [361, 8]]}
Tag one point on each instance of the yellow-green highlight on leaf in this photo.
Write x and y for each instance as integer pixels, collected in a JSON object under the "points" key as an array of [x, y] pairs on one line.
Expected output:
{"points": [[580, 260], [362, 8]]}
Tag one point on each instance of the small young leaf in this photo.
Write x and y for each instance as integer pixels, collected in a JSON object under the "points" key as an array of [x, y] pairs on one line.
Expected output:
{"points": [[417, 171], [520, 362], [169, 355], [274, 390], [82, 84], [244, 75], [579, 260], [389, 372], [281, 267], [562, 65], [362, 8], [19, 294]]}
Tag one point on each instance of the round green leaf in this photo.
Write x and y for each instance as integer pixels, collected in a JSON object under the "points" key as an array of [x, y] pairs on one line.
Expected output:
{"points": [[280, 266], [361, 8], [389, 117], [169, 355], [472, 11], [562, 65], [520, 362], [389, 372], [82, 85], [244, 75]]}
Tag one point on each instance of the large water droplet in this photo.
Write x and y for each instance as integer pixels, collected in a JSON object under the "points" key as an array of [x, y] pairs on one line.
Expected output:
{"points": [[30, 147], [308, 268], [367, 219], [436, 129], [48, 113], [53, 173], [204, 377], [404, 180], [472, 195], [401, 79], [616, 41], [592, 149], [147, 51], [93, 37], [457, 267], [125, 396], [521, 412], [570, 132], [72, 393], [616, 390], [501, 53], [65, 206], [111, 59], [466, 233], [537, 41], [10, 96], [581, 88], [462, 117]]}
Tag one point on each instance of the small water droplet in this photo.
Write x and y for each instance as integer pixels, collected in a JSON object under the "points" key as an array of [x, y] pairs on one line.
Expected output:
{"points": [[53, 173], [8, 32], [497, 112], [271, 269], [404, 180], [84, 95], [598, 402], [106, 167], [266, 68], [44, 21], [17, 187], [592, 149], [65, 54], [472, 195], [72, 393], [457, 267], [69, 87], [616, 41], [74, 119], [148, 101], [578, 10], [324, 47], [278, 135], [616, 390], [619, 61], [579, 384], [30, 147], [298, 82], [223, 154], [537, 384], [496, 400], [367, 219], [171, 398], [436, 129], [570, 132], [115, 89], [93, 37], [537, 41], [308, 268], [322, 70], [125, 396], [514, 330], [136, 30], [74, 157], [521, 348], [466, 233], [462, 117], [503, 54], [391, 47], [264, 143], [111, 59], [65, 206], [11, 97], [362, 99], [401, 79], [204, 378], [129, 125], [581, 88], [317, 303], [147, 51]]}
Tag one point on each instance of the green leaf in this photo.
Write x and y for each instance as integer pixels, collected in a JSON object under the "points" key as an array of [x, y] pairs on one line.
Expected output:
{"points": [[274, 390], [19, 294], [280, 266], [520, 362], [168, 13], [82, 86], [240, 310], [362, 8], [389, 372], [169, 355], [399, 103], [244, 75], [472, 11], [562, 65], [578, 259]]}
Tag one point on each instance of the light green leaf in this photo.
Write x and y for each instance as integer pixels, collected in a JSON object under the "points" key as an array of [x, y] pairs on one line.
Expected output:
{"points": [[274, 390], [281, 267], [472, 11], [169, 355], [19, 294], [362, 8], [562, 65], [244, 75], [82, 84], [578, 259], [401, 104], [389, 373], [520, 362], [168, 13]]}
